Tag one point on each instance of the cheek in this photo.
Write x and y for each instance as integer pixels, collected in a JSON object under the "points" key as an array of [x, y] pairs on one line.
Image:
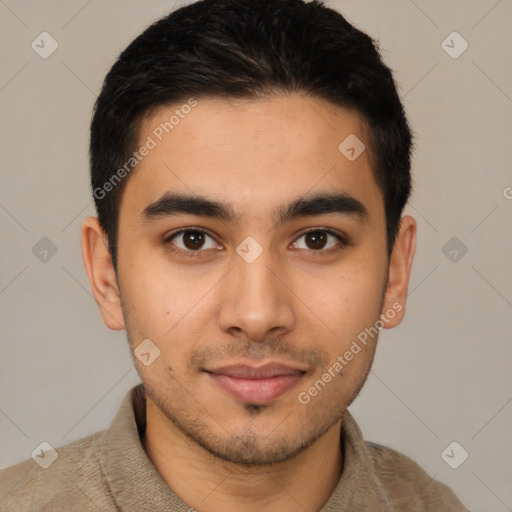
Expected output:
{"points": [[163, 303], [349, 300]]}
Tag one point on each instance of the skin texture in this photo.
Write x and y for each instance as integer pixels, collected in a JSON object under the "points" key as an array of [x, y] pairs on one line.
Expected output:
{"points": [[297, 303]]}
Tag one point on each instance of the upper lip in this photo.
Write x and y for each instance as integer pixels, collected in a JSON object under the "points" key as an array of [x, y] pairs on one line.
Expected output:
{"points": [[247, 371]]}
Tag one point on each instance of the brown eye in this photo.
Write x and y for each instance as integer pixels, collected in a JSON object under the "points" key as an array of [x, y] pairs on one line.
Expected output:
{"points": [[192, 240], [318, 239]]}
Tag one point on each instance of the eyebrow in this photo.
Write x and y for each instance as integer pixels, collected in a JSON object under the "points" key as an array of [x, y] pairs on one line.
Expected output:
{"points": [[320, 204]]}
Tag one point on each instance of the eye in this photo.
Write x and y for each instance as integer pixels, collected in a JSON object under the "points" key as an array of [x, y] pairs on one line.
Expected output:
{"points": [[192, 240], [189, 241], [317, 239]]}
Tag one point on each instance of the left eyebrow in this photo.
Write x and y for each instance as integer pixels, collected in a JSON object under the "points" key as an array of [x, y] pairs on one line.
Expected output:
{"points": [[319, 204]]}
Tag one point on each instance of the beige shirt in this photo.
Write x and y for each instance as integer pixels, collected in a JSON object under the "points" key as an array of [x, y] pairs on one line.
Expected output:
{"points": [[110, 471]]}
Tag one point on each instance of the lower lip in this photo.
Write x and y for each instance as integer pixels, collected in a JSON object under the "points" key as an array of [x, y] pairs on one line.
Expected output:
{"points": [[256, 391]]}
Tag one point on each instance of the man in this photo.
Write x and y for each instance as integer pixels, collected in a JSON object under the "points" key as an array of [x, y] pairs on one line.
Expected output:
{"points": [[250, 162]]}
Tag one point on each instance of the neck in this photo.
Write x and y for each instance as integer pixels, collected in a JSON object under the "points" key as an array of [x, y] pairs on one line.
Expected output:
{"points": [[210, 484]]}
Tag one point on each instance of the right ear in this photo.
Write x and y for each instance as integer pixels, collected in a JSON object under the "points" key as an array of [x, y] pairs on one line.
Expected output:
{"points": [[99, 268]]}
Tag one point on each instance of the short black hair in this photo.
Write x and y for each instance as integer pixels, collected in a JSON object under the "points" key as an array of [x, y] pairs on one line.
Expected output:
{"points": [[248, 49]]}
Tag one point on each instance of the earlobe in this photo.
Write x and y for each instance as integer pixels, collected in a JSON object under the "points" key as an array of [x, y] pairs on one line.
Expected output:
{"points": [[399, 271], [99, 268]]}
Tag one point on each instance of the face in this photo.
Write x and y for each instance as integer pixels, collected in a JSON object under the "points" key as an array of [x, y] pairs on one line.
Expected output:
{"points": [[252, 253]]}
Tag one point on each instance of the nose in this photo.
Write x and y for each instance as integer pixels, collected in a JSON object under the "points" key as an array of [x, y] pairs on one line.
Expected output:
{"points": [[257, 299]]}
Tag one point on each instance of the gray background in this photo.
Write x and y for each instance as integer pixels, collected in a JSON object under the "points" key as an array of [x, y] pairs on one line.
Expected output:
{"points": [[442, 376]]}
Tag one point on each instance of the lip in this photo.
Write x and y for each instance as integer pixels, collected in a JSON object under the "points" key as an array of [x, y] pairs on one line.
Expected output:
{"points": [[256, 384]]}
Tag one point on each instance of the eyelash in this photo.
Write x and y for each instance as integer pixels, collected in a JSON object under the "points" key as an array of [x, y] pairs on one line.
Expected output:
{"points": [[194, 254]]}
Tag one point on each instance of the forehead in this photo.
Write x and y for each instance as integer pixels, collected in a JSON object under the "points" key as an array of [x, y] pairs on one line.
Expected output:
{"points": [[252, 154]]}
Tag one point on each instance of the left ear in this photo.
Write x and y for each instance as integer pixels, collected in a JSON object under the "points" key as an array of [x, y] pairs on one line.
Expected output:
{"points": [[399, 272]]}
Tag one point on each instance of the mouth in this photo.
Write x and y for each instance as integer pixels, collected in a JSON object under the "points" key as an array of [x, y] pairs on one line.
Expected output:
{"points": [[256, 384]]}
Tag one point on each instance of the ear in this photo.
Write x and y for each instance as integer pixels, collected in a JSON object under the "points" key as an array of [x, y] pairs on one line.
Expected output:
{"points": [[99, 268], [400, 265]]}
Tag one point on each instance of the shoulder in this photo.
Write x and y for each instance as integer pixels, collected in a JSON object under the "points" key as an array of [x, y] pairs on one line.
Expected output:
{"points": [[407, 483], [73, 481]]}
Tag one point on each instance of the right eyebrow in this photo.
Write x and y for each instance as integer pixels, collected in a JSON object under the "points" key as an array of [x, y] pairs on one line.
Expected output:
{"points": [[174, 204]]}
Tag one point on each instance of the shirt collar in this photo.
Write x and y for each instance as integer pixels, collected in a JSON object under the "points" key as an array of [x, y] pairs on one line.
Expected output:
{"points": [[134, 481]]}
